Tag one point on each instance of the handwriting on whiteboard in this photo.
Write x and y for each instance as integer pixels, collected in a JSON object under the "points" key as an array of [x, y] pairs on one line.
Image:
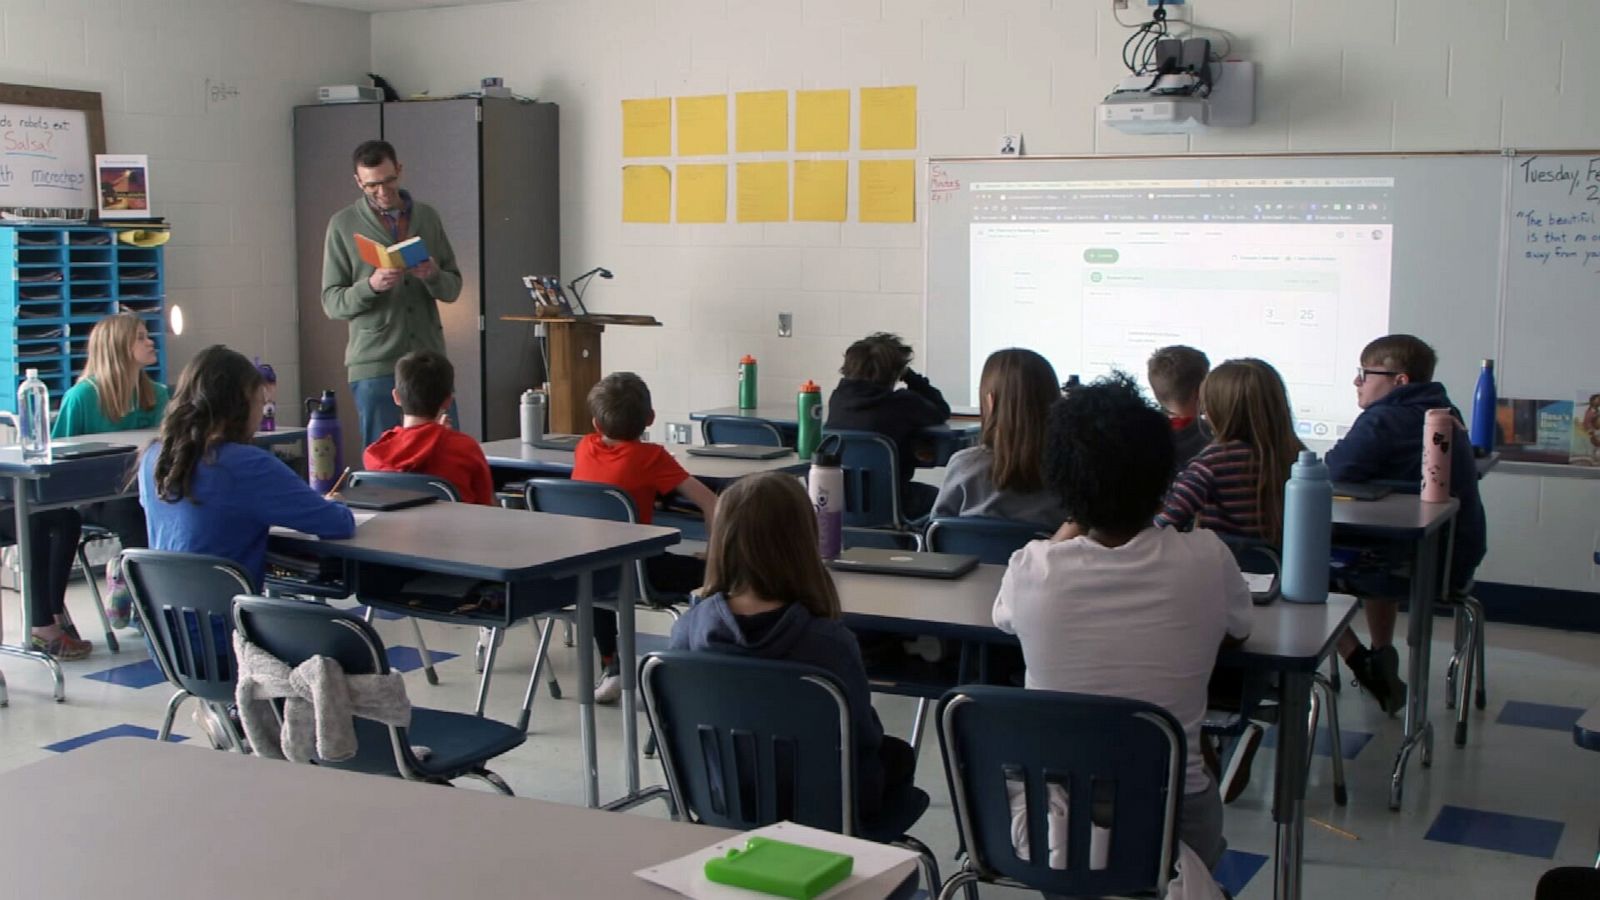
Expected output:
{"points": [[942, 184], [1567, 231]]}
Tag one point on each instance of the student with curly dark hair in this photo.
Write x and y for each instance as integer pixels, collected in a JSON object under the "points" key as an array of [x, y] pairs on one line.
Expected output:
{"points": [[1111, 604], [206, 489]]}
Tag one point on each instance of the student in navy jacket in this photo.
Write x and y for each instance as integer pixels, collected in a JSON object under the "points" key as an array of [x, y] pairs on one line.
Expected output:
{"points": [[1395, 389], [867, 400], [768, 596]]}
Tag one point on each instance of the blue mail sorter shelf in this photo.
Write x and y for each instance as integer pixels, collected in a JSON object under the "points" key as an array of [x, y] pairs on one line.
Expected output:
{"points": [[56, 282]]}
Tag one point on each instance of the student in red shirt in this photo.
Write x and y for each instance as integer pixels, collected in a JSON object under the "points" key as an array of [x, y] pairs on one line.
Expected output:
{"points": [[615, 454], [424, 386]]}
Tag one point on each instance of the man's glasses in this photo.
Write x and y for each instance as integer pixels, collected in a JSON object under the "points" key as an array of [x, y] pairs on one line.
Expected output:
{"points": [[372, 187], [1362, 372]]}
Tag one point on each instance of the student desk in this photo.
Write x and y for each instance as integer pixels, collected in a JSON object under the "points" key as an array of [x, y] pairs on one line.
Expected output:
{"points": [[522, 550], [1291, 639], [1427, 528], [256, 829], [513, 454], [935, 445], [50, 484]]}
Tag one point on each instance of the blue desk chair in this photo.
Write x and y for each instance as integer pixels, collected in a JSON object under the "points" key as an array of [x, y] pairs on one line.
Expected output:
{"points": [[460, 745], [990, 539], [1120, 762], [871, 468], [184, 602], [749, 742], [89, 535], [740, 430]]}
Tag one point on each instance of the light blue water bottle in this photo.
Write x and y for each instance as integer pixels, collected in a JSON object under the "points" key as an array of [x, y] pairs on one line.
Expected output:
{"points": [[1307, 530], [33, 418]]}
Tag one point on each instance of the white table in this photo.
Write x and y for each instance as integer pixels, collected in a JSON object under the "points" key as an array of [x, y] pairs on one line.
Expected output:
{"points": [[193, 822]]}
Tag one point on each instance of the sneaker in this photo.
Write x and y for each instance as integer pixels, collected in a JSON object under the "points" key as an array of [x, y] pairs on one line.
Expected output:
{"points": [[63, 647], [609, 690], [1386, 667], [1244, 756], [1363, 667]]}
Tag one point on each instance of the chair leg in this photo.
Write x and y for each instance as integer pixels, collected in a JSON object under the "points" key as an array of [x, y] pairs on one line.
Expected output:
{"points": [[1313, 717], [1333, 672], [569, 638], [916, 728], [5, 695], [99, 601], [422, 651], [1341, 795], [172, 714], [1466, 654], [493, 780], [650, 745], [539, 662], [488, 671], [1231, 771], [966, 880], [1480, 696], [1452, 671], [930, 865]]}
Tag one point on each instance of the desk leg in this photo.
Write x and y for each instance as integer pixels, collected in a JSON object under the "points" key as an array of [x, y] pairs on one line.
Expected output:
{"points": [[24, 647], [591, 773], [628, 665], [1289, 782], [1425, 580]]}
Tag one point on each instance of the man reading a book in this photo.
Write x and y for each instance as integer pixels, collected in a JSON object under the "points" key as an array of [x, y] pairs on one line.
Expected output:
{"points": [[387, 292]]}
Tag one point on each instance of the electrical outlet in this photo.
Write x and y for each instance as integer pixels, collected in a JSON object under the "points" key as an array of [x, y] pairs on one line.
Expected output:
{"points": [[678, 433], [785, 324]]}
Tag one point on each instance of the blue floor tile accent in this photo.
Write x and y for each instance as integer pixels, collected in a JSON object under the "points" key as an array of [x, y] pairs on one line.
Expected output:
{"points": [[409, 659], [1236, 868], [133, 675], [1539, 715], [1352, 742], [115, 731], [1504, 832]]}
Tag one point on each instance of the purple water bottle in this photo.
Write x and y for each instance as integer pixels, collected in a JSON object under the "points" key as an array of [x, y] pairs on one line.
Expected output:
{"points": [[269, 406], [325, 457], [826, 487]]}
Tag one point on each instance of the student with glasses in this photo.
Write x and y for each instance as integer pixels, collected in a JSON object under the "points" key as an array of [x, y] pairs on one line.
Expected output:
{"points": [[391, 312]]}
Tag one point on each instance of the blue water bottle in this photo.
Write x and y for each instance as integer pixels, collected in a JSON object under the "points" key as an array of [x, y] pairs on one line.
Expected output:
{"points": [[1483, 405], [1307, 530]]}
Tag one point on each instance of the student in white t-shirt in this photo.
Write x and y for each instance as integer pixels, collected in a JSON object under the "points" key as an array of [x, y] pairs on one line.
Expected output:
{"points": [[1113, 606]]}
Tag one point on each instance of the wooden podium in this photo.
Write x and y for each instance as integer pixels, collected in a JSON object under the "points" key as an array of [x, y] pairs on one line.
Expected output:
{"points": [[573, 366]]}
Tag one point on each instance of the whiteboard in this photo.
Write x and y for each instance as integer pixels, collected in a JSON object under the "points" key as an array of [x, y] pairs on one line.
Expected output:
{"points": [[1448, 221], [45, 160]]}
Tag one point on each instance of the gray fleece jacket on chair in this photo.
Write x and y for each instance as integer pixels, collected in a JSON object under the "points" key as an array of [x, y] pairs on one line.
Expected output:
{"points": [[319, 708]]}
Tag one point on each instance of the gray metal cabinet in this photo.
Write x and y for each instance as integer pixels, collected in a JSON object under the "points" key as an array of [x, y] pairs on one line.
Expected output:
{"points": [[490, 169]]}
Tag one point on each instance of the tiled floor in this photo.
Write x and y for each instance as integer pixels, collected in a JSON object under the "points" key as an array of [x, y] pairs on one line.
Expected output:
{"points": [[1483, 822]]}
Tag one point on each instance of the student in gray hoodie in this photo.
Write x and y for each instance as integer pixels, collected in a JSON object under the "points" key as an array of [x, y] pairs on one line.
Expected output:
{"points": [[767, 595]]}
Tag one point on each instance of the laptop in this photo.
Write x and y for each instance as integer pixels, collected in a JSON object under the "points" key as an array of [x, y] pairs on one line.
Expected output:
{"points": [[568, 442], [1356, 491], [739, 451], [382, 497], [88, 450], [904, 562]]}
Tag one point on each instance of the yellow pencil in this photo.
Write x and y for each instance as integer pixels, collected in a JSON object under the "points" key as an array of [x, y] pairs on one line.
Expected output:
{"points": [[1333, 828], [338, 484]]}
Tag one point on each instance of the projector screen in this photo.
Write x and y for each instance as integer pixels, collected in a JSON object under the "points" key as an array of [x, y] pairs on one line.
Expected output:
{"points": [[1096, 275], [1096, 262]]}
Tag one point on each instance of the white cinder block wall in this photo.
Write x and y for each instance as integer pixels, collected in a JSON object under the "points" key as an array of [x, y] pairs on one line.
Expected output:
{"points": [[1334, 75], [204, 87]]}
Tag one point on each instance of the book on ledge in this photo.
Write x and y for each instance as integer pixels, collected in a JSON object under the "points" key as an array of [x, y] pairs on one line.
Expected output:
{"points": [[404, 255]]}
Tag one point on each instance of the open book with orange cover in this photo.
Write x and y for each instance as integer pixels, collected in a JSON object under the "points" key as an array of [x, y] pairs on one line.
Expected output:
{"points": [[404, 255]]}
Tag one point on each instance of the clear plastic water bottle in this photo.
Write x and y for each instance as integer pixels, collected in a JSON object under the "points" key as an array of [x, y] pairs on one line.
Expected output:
{"points": [[33, 418], [1307, 530]]}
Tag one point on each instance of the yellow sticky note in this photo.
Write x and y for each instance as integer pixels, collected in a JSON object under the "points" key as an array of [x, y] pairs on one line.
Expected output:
{"points": [[703, 193], [763, 192], [889, 118], [820, 190], [703, 125], [761, 121], [821, 120], [647, 127], [646, 193], [887, 189]]}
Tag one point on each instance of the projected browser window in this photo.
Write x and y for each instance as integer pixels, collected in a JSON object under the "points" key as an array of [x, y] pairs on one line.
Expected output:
{"points": [[1096, 275]]}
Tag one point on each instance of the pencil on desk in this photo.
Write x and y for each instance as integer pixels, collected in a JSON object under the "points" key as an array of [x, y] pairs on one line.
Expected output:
{"points": [[340, 483], [1333, 828]]}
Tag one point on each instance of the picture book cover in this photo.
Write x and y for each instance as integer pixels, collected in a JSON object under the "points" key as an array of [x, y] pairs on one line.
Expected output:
{"points": [[124, 186], [1535, 430], [1586, 430], [403, 255]]}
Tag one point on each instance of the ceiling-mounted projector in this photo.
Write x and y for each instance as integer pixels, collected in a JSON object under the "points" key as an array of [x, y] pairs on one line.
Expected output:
{"points": [[1185, 92]]}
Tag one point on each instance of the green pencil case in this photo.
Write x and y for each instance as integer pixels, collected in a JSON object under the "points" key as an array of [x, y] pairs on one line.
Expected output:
{"points": [[780, 868]]}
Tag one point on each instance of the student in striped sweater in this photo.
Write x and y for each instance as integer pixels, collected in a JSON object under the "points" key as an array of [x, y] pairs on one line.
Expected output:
{"points": [[1234, 486]]}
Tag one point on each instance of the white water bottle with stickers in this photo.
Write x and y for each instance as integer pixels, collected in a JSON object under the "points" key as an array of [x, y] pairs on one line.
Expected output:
{"points": [[826, 486]]}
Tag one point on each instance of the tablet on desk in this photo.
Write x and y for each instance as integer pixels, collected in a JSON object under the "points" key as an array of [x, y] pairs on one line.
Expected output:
{"points": [[383, 498], [87, 450], [904, 562], [739, 451], [1348, 490]]}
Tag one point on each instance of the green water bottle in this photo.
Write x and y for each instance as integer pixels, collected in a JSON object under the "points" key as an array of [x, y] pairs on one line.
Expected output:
{"points": [[747, 382], [808, 408]]}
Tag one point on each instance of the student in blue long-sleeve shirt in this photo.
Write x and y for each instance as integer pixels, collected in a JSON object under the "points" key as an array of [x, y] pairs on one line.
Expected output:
{"points": [[206, 489], [1395, 389]]}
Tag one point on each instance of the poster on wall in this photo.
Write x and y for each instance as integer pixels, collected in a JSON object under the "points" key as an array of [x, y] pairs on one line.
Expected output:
{"points": [[124, 186], [1535, 430]]}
